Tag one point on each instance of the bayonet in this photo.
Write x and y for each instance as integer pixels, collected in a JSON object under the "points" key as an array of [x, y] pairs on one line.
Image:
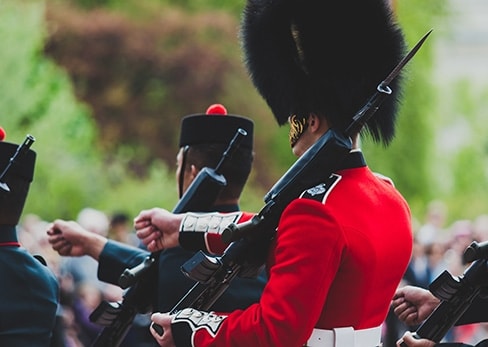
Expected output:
{"points": [[383, 90]]}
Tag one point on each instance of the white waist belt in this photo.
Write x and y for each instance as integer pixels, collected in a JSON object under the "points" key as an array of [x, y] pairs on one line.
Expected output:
{"points": [[345, 337]]}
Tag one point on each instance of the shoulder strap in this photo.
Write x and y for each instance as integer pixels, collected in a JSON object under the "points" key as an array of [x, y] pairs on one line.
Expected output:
{"points": [[322, 190]]}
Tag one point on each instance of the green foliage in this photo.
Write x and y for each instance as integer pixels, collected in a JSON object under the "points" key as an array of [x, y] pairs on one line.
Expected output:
{"points": [[463, 149], [132, 194], [147, 57], [145, 8], [38, 98], [141, 77], [408, 160], [441, 149]]}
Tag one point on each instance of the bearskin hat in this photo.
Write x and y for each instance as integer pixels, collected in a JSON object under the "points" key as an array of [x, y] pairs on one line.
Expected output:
{"points": [[323, 57]]}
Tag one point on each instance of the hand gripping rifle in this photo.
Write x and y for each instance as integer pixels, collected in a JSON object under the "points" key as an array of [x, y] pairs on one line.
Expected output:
{"points": [[249, 241], [456, 293], [117, 317]]}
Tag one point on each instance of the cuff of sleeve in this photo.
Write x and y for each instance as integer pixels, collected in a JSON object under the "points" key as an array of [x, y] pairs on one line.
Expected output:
{"points": [[115, 258], [201, 231], [188, 321]]}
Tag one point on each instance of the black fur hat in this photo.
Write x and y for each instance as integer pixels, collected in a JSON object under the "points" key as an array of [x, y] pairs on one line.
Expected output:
{"points": [[323, 57], [18, 179]]}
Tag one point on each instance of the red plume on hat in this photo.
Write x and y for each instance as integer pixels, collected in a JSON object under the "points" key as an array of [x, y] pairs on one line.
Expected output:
{"points": [[2, 134], [216, 109], [323, 57]]}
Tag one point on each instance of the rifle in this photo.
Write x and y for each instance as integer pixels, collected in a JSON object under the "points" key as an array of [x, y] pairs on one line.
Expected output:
{"points": [[249, 241], [117, 317], [456, 293]]}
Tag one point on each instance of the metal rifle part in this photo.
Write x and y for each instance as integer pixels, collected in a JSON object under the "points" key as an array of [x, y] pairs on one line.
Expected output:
{"points": [[229, 152], [475, 251], [383, 90], [21, 149], [456, 295]]}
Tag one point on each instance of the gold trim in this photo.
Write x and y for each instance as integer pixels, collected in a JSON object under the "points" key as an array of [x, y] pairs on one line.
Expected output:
{"points": [[297, 127]]}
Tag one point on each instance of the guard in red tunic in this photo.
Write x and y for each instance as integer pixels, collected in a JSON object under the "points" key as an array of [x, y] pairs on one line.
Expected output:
{"points": [[342, 247]]}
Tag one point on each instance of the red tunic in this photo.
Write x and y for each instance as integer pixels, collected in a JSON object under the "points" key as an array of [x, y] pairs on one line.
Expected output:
{"points": [[335, 263]]}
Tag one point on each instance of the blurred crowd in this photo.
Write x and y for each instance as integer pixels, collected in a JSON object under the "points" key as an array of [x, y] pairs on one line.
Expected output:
{"points": [[437, 247], [80, 290]]}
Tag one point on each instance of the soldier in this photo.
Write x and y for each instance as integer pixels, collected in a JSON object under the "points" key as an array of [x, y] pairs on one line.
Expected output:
{"points": [[413, 305], [28, 289], [203, 139], [341, 249]]}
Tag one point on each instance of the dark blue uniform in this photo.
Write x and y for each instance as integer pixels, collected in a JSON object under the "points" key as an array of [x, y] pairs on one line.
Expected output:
{"points": [[167, 284], [28, 295], [170, 284]]}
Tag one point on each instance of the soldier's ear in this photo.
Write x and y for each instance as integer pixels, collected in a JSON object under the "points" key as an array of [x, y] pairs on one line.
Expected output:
{"points": [[193, 172], [314, 122]]}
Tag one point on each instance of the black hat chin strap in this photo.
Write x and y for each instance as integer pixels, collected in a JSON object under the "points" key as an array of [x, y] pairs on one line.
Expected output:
{"points": [[8, 234], [182, 171]]}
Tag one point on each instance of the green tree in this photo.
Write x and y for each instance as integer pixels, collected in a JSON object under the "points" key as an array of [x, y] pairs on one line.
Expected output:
{"points": [[37, 97], [115, 148], [408, 159], [463, 150]]}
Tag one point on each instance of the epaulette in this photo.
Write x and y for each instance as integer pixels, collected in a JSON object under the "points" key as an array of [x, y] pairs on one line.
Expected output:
{"points": [[321, 191], [385, 178]]}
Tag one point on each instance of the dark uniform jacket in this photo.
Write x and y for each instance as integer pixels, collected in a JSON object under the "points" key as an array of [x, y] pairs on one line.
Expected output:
{"points": [[170, 284], [29, 295]]}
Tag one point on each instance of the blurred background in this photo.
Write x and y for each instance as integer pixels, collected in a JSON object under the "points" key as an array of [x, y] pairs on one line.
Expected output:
{"points": [[103, 85]]}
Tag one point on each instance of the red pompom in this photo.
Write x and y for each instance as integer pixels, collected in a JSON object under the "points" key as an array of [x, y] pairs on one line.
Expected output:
{"points": [[2, 134], [216, 109]]}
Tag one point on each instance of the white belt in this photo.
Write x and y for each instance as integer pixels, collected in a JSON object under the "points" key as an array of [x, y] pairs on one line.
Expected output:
{"points": [[345, 337]]}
